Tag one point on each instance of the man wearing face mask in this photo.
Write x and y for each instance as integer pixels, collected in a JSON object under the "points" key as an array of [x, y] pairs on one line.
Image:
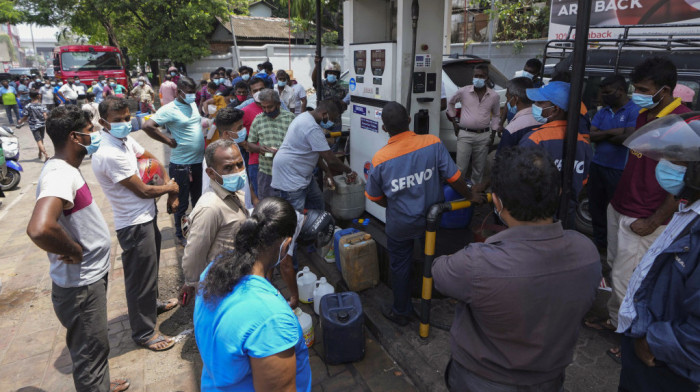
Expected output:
{"points": [[550, 105], [244, 73], [285, 90], [184, 122], [480, 116], [252, 108], [135, 219], [532, 70], [144, 96], [269, 131], [640, 208], [167, 91], [174, 74], [294, 163], [80, 88], [214, 220], [609, 127], [68, 92], [523, 292], [240, 94], [67, 223], [98, 89], [520, 106], [659, 313]]}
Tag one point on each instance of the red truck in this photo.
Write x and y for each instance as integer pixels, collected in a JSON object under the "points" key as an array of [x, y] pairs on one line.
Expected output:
{"points": [[88, 62]]}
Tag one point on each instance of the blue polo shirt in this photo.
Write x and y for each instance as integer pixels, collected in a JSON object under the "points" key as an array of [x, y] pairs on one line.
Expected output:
{"points": [[408, 171], [254, 320], [607, 154], [185, 123]]}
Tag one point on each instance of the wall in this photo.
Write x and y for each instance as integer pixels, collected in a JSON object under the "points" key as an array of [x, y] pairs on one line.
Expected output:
{"points": [[278, 55], [503, 55], [260, 9]]}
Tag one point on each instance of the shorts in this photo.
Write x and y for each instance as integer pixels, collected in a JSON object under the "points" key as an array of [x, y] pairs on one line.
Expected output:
{"points": [[39, 134]]}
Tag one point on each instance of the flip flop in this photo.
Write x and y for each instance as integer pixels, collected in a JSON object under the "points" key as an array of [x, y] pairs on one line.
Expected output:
{"points": [[119, 384], [156, 343], [599, 324], [615, 354], [163, 307]]}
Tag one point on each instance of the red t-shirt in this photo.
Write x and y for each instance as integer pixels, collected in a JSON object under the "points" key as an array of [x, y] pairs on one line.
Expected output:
{"points": [[251, 111], [638, 193]]}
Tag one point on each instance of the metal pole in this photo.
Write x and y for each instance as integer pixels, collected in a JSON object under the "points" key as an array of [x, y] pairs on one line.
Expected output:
{"points": [[31, 31], [319, 67], [492, 23], [237, 63], [583, 19]]}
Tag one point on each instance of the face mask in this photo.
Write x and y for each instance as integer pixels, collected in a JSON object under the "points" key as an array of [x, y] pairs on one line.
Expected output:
{"points": [[77, 80], [233, 182], [189, 98], [241, 135], [101, 82], [528, 75], [281, 83], [609, 99], [512, 109], [173, 73], [245, 77], [120, 130], [95, 139], [46, 84], [215, 81], [670, 176], [140, 83], [331, 78], [112, 84], [38, 80], [279, 255], [222, 80], [262, 72], [53, 83], [273, 114], [327, 124], [645, 101], [241, 98], [537, 114], [60, 83], [94, 84], [478, 82]]}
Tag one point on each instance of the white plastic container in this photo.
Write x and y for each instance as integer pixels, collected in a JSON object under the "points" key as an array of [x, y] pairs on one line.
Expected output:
{"points": [[307, 326], [321, 288], [305, 282], [348, 200]]}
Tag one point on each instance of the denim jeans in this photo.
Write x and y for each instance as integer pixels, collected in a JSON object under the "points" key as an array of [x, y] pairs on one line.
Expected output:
{"points": [[253, 177], [9, 109], [401, 261], [638, 377], [189, 179], [601, 188], [309, 197]]}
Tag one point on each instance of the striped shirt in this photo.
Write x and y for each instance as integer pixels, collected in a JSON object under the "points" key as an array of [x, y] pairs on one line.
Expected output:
{"points": [[681, 220]]}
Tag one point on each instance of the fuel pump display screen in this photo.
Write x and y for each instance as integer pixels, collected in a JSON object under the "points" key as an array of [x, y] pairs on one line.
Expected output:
{"points": [[378, 61], [360, 62]]}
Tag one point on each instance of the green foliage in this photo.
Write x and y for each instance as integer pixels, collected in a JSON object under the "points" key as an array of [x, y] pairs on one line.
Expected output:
{"points": [[9, 13], [149, 29], [5, 39], [519, 20]]}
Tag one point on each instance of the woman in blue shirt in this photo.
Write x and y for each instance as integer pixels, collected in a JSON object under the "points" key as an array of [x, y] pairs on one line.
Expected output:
{"points": [[247, 335]]}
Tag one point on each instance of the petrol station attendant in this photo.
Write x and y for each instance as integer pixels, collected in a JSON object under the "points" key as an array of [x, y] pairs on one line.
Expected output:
{"points": [[406, 177]]}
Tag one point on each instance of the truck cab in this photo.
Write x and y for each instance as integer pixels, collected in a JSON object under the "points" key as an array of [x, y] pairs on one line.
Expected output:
{"points": [[88, 62]]}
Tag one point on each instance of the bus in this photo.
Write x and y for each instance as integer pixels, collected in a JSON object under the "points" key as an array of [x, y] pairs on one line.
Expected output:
{"points": [[88, 62]]}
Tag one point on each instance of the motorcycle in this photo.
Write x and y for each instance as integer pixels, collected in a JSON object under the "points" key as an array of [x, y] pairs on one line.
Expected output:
{"points": [[10, 171]]}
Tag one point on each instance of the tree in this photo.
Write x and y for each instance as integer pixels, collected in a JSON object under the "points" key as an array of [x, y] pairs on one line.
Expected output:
{"points": [[304, 11], [9, 13]]}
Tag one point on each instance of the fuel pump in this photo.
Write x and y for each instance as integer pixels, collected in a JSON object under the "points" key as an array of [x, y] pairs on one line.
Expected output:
{"points": [[396, 50]]}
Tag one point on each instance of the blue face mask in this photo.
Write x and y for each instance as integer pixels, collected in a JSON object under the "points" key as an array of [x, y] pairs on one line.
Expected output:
{"points": [[512, 109], [331, 78], [216, 81], [478, 82], [112, 84], [273, 113], [645, 101], [120, 130], [189, 98], [670, 176], [537, 114], [281, 83], [222, 80], [245, 77], [233, 182], [173, 73], [262, 72], [241, 135], [528, 75], [95, 139], [327, 124]]}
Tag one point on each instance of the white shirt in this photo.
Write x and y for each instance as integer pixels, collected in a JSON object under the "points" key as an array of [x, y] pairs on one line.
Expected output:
{"points": [[114, 161], [68, 92], [299, 94], [46, 94], [288, 97]]}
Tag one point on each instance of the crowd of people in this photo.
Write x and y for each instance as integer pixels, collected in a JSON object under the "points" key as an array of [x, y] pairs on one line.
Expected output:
{"points": [[250, 156]]}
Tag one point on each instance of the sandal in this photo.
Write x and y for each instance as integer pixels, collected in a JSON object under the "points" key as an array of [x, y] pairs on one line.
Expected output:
{"points": [[119, 384], [158, 343], [163, 307], [599, 324], [615, 354]]}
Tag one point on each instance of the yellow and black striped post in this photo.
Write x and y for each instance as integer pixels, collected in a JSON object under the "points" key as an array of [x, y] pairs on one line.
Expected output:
{"points": [[433, 222]]}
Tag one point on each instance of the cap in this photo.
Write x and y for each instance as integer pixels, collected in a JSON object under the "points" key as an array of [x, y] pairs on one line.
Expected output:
{"points": [[317, 228], [673, 137], [685, 93], [555, 92]]}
